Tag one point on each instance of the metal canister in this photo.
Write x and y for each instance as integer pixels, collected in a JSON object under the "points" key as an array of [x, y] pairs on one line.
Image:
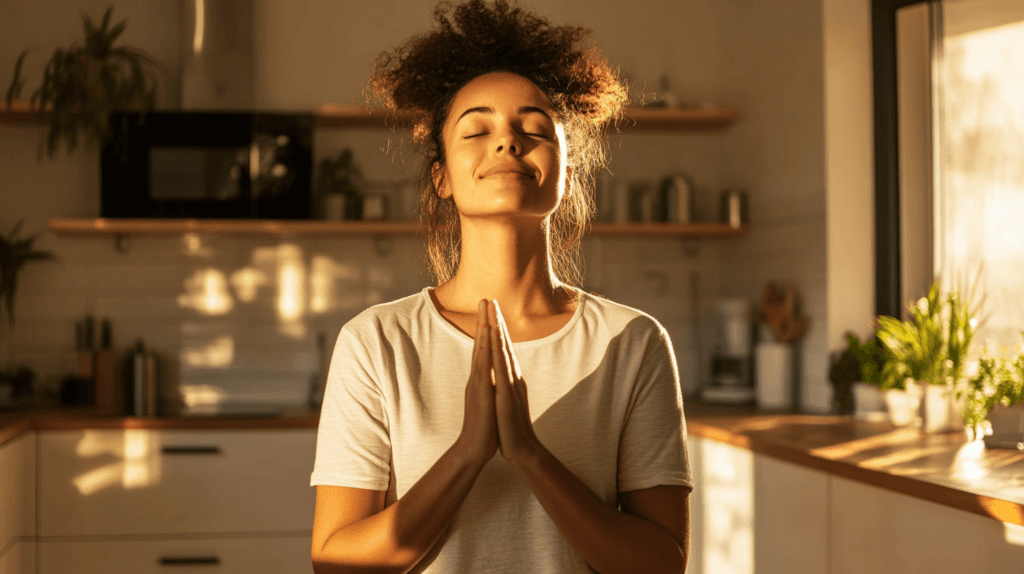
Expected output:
{"points": [[734, 209], [142, 383]]}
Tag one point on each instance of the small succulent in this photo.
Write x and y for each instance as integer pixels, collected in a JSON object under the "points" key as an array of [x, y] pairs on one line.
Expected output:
{"points": [[15, 252]]}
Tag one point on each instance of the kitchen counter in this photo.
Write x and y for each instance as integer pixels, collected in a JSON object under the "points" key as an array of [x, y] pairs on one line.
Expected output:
{"points": [[944, 468]]}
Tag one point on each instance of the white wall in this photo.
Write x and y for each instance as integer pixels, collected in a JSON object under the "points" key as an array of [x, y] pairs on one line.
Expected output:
{"points": [[795, 69]]}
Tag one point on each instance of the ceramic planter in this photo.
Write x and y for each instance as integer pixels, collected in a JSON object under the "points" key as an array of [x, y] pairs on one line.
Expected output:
{"points": [[1007, 420], [935, 408], [903, 405], [869, 402]]}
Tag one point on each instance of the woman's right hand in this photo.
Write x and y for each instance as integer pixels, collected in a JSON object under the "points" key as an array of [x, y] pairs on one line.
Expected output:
{"points": [[479, 437]]}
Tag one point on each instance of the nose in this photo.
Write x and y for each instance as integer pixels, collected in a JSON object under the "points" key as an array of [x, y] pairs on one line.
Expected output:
{"points": [[508, 141]]}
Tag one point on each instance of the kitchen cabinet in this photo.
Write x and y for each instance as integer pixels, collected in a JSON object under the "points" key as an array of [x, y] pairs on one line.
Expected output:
{"points": [[17, 502], [751, 512], [277, 555], [143, 500], [877, 530], [160, 482]]}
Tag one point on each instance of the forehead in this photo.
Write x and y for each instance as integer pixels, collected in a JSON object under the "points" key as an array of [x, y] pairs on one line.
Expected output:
{"points": [[499, 90]]}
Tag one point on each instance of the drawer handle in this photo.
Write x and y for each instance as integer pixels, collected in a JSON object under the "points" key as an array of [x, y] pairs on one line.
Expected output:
{"points": [[189, 560], [190, 449]]}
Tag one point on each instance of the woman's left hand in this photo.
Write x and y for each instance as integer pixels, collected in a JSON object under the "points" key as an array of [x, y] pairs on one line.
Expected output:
{"points": [[516, 438]]}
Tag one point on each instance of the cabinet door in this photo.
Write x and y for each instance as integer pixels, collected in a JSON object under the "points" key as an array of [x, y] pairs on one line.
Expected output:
{"points": [[209, 556], [112, 482], [876, 530], [18, 558], [721, 507], [790, 517], [17, 489]]}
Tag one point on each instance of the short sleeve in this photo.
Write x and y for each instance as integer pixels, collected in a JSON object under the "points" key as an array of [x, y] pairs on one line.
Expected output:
{"points": [[353, 446], [652, 446]]}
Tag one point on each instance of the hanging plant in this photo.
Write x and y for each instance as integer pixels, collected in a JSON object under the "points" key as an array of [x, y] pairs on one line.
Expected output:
{"points": [[15, 252], [83, 84]]}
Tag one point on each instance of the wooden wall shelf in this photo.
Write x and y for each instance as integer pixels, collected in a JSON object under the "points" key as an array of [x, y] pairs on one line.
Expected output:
{"points": [[362, 117], [102, 227]]}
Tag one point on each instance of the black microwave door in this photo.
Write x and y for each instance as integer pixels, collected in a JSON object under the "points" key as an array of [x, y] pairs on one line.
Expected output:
{"points": [[283, 183], [178, 164]]}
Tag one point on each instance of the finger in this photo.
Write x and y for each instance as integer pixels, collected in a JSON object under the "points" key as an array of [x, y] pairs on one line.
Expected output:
{"points": [[499, 361], [482, 342], [510, 354]]}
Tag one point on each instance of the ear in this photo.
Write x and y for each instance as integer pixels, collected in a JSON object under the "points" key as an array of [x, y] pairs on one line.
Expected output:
{"points": [[437, 176]]}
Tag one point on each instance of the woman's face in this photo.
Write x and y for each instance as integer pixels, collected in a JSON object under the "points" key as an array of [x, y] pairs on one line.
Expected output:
{"points": [[505, 153]]}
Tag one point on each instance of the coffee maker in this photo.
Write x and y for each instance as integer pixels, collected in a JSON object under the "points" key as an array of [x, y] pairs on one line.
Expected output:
{"points": [[730, 380]]}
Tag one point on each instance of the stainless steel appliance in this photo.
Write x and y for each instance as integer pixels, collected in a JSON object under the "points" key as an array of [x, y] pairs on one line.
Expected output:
{"points": [[730, 378]]}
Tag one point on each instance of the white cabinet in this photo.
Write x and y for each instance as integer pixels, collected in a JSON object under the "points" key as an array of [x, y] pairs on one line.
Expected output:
{"points": [[163, 482], [877, 530], [17, 504], [750, 512], [207, 555]]}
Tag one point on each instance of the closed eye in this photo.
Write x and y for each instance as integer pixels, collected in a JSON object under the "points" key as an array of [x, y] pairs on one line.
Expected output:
{"points": [[471, 136]]}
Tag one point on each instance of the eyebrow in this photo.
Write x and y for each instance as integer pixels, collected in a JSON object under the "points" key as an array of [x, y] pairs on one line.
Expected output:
{"points": [[521, 111]]}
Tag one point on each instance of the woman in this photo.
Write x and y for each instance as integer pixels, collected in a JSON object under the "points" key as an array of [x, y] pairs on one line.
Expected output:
{"points": [[408, 475]]}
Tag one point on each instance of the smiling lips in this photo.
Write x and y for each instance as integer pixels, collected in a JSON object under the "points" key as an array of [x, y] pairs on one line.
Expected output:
{"points": [[508, 171]]}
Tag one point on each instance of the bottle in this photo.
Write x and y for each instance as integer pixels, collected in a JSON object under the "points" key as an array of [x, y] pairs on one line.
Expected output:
{"points": [[142, 391], [106, 372]]}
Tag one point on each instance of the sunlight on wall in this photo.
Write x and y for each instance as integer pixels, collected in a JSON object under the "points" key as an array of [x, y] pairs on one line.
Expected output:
{"points": [[729, 512], [291, 283], [207, 292], [139, 466], [197, 397], [247, 282], [218, 354]]}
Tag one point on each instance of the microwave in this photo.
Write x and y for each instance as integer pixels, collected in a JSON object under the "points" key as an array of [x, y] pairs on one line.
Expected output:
{"points": [[192, 164]]}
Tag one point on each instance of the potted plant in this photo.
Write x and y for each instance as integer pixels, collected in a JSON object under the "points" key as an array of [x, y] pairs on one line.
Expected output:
{"points": [[15, 252], [843, 373], [337, 182], [83, 84], [927, 356], [869, 402], [996, 394]]}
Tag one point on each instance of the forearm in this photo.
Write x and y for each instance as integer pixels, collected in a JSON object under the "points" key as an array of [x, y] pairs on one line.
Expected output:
{"points": [[397, 538], [609, 540]]}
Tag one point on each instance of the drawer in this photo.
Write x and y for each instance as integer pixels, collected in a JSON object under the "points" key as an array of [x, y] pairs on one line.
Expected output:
{"points": [[206, 556], [113, 482]]}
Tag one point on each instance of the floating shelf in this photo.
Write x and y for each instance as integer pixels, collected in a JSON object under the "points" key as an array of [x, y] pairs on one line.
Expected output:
{"points": [[363, 117], [636, 119], [102, 227]]}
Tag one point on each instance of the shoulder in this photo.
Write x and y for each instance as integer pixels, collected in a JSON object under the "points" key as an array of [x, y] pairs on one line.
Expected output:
{"points": [[621, 320], [385, 319]]}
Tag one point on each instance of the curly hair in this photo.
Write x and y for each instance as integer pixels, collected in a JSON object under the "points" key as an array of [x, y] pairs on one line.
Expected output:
{"points": [[419, 80]]}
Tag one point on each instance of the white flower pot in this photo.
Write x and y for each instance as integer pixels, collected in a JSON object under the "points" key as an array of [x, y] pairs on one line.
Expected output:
{"points": [[1007, 420], [903, 405], [942, 411], [869, 402]]}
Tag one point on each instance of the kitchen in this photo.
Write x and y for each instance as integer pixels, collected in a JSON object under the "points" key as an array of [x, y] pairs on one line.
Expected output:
{"points": [[232, 315]]}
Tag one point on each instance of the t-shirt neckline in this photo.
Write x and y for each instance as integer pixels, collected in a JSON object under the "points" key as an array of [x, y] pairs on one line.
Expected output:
{"points": [[547, 339]]}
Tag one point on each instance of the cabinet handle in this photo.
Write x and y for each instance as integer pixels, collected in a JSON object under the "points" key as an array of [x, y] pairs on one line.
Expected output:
{"points": [[189, 560], [191, 449]]}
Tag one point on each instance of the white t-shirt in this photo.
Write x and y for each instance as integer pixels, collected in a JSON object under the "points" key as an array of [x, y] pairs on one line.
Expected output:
{"points": [[604, 397]]}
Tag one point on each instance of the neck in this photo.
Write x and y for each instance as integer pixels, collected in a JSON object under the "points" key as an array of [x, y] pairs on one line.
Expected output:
{"points": [[506, 259]]}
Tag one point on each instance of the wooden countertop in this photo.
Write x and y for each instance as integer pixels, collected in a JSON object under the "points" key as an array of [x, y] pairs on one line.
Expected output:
{"points": [[943, 468]]}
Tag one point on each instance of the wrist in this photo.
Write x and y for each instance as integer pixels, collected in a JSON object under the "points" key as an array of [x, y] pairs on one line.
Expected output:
{"points": [[469, 455]]}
